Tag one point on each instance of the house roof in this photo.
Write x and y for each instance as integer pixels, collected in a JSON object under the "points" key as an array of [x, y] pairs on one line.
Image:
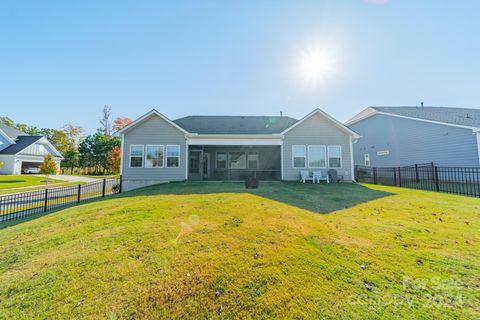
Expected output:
{"points": [[461, 117], [21, 143], [235, 124], [12, 133]]}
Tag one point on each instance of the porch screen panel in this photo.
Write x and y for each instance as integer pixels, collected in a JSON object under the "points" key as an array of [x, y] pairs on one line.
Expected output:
{"points": [[252, 160], [238, 160]]}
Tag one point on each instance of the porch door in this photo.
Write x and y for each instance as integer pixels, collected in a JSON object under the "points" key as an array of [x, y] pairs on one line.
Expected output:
{"points": [[194, 165], [206, 165]]}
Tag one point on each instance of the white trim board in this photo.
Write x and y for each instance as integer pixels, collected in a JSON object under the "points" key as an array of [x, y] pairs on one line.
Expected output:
{"points": [[478, 145], [206, 141]]}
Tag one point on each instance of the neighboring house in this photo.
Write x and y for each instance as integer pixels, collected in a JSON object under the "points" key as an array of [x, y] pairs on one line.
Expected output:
{"points": [[20, 152], [400, 136], [156, 149]]}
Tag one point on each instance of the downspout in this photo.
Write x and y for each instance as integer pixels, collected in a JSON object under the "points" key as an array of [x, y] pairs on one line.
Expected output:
{"points": [[186, 158], [281, 160], [351, 158], [477, 132], [122, 150]]}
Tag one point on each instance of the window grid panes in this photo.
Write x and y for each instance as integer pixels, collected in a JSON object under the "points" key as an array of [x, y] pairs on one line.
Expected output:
{"points": [[154, 157], [299, 156], [173, 156], [136, 156], [317, 157], [334, 157]]}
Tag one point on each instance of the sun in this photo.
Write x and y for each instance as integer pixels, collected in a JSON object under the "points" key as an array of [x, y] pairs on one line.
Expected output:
{"points": [[316, 64]]}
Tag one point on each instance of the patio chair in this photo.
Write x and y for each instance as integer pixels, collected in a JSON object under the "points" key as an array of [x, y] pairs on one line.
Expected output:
{"points": [[333, 176], [305, 175], [318, 176]]}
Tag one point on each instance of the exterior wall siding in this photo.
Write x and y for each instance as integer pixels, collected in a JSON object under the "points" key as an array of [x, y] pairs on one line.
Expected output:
{"points": [[410, 141], [3, 142], [316, 131], [153, 130], [8, 164]]}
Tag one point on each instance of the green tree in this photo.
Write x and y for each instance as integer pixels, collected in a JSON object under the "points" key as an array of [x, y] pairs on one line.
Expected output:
{"points": [[94, 149], [48, 166]]}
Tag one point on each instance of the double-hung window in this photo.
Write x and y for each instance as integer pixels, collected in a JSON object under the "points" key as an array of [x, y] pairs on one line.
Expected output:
{"points": [[173, 156], [136, 156], [317, 157], [252, 160], [335, 157], [299, 156], [221, 160], [154, 156]]}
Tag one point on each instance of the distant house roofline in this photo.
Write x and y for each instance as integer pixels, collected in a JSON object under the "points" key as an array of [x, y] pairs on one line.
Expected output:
{"points": [[389, 111]]}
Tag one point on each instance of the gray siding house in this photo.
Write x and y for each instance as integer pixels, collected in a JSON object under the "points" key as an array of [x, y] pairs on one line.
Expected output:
{"points": [[156, 149], [20, 152], [401, 136]]}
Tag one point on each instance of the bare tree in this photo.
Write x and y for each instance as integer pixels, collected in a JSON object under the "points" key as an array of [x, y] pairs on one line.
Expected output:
{"points": [[106, 121]]}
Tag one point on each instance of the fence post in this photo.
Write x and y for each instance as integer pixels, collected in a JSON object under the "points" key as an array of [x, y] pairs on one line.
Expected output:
{"points": [[103, 187], [399, 177], [120, 184], [46, 201], [435, 170], [79, 193], [375, 180], [417, 178], [394, 176]]}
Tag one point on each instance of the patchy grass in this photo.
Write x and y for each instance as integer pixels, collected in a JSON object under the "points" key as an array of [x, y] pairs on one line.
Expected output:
{"points": [[171, 252]]}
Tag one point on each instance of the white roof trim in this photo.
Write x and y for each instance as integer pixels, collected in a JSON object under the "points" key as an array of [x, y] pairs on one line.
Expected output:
{"points": [[145, 116], [328, 117], [44, 140], [7, 137], [373, 112], [234, 136]]}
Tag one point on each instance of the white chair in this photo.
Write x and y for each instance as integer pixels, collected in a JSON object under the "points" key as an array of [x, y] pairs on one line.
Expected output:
{"points": [[317, 176], [305, 175]]}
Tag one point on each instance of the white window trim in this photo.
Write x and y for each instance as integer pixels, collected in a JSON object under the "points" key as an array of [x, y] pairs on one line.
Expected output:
{"points": [[226, 160], [365, 156], [328, 156], [130, 156], [293, 156], [258, 159], [166, 155], [325, 153], [163, 152]]}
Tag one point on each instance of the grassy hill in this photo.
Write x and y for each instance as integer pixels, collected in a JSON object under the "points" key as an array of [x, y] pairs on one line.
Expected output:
{"points": [[214, 250]]}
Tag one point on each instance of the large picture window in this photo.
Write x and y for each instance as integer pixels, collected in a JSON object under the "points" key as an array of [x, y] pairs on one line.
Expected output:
{"points": [[317, 157], [299, 156], [335, 157], [173, 156], [238, 160], [221, 160], [136, 156], [154, 156], [252, 160]]}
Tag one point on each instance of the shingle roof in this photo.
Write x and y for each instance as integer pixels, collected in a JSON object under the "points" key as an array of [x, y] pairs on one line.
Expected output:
{"points": [[235, 124], [21, 143], [11, 132], [458, 116]]}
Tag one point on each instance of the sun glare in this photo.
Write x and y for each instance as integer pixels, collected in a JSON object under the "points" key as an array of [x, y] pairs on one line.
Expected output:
{"points": [[315, 65]]}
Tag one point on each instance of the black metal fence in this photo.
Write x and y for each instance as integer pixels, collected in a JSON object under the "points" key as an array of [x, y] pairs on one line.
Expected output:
{"points": [[20, 205], [457, 180]]}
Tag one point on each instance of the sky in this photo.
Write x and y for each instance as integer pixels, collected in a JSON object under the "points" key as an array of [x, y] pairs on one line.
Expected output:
{"points": [[62, 61]]}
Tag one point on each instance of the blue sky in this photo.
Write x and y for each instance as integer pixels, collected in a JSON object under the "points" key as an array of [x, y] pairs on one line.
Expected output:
{"points": [[61, 61]]}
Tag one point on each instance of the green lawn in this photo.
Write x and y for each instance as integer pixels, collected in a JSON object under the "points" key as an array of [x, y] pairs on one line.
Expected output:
{"points": [[22, 183], [215, 250]]}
